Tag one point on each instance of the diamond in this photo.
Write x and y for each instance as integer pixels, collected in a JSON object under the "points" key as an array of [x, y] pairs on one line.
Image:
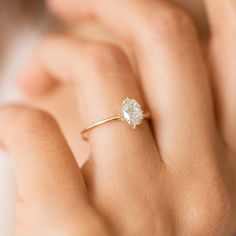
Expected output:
{"points": [[131, 112]]}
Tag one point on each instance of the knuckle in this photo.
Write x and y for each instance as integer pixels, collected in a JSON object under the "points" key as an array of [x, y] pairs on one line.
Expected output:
{"points": [[210, 211], [29, 121], [106, 58], [23, 123], [171, 22]]}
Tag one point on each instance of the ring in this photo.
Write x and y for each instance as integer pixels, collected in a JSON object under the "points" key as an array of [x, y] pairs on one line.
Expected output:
{"points": [[130, 112]]}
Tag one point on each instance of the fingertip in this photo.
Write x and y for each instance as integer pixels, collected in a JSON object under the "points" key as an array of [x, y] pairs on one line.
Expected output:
{"points": [[59, 8], [53, 5], [34, 87], [34, 81], [70, 10]]}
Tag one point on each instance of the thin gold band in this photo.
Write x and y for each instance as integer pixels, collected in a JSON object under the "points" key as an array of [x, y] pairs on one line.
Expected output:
{"points": [[83, 133]]}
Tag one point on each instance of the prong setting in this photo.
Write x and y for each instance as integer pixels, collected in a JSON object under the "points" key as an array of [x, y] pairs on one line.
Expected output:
{"points": [[131, 112]]}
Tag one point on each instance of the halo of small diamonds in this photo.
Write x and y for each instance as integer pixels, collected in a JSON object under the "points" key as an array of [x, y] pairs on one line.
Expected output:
{"points": [[131, 112]]}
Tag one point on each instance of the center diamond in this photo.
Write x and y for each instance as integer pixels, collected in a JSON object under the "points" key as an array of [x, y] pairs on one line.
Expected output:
{"points": [[131, 112]]}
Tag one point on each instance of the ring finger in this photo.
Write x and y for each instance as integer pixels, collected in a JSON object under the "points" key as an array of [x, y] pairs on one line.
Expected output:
{"points": [[103, 79]]}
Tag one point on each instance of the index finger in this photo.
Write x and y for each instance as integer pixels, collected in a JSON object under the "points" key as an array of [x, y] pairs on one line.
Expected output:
{"points": [[44, 164], [52, 191]]}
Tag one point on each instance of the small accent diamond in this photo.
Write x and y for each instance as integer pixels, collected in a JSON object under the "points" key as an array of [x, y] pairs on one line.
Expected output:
{"points": [[131, 112]]}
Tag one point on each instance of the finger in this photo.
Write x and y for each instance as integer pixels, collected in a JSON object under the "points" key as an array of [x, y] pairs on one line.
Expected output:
{"points": [[222, 58], [103, 79], [47, 173], [174, 77]]}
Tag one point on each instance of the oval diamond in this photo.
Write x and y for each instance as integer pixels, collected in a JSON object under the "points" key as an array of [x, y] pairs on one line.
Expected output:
{"points": [[131, 112]]}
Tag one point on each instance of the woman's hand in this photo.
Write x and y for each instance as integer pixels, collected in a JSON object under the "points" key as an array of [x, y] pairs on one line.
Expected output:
{"points": [[174, 177]]}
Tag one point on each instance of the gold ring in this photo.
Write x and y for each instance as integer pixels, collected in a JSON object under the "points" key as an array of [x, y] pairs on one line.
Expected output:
{"points": [[130, 112]]}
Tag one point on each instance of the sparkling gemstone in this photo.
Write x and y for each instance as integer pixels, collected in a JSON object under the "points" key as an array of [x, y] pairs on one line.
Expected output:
{"points": [[131, 112]]}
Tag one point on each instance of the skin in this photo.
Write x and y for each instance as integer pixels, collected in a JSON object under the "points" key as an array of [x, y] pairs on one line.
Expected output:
{"points": [[196, 9], [173, 177]]}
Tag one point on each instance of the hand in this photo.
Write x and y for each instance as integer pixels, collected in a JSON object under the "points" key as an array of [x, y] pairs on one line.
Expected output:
{"points": [[175, 182]]}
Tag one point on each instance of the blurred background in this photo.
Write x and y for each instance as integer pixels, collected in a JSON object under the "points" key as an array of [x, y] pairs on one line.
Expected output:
{"points": [[17, 19], [23, 23]]}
